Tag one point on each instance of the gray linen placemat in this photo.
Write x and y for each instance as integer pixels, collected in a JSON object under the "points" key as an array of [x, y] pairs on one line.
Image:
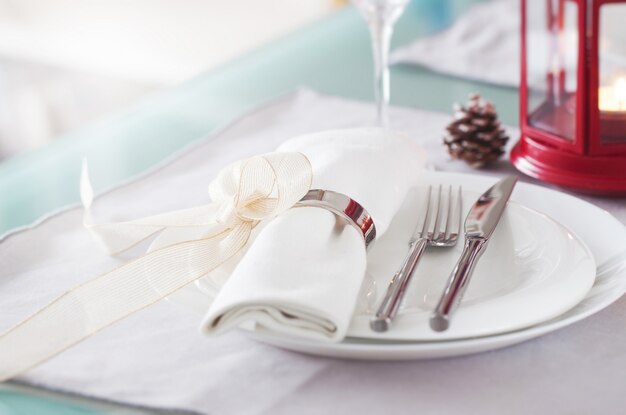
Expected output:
{"points": [[158, 359]]}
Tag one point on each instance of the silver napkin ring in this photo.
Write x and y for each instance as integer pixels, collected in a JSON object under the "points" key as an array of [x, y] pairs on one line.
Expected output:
{"points": [[345, 208]]}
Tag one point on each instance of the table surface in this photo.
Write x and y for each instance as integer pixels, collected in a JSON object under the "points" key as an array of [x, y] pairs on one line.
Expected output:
{"points": [[331, 56]]}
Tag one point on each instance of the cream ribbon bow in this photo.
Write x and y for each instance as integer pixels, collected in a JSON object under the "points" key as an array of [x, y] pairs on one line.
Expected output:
{"points": [[243, 194]]}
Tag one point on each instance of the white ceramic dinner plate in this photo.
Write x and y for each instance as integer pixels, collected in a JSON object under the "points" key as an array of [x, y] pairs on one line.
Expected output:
{"points": [[535, 277]]}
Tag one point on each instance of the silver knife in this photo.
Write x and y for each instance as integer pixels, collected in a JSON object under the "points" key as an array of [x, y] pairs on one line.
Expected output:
{"points": [[480, 223]]}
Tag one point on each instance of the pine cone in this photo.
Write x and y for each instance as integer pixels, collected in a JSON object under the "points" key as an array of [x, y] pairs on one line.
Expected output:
{"points": [[475, 135]]}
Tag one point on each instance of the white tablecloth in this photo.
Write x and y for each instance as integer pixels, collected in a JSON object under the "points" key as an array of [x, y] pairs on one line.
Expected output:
{"points": [[158, 359]]}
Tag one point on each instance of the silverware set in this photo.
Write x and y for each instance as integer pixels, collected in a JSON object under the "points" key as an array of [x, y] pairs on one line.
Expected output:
{"points": [[440, 226]]}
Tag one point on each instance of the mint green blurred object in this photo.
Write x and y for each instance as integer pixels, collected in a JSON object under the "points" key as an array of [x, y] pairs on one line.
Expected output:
{"points": [[332, 56]]}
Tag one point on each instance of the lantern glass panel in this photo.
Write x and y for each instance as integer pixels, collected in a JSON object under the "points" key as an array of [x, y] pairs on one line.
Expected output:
{"points": [[552, 66], [612, 73]]}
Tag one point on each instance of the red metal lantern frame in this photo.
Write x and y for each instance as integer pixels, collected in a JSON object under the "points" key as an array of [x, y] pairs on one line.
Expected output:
{"points": [[585, 163]]}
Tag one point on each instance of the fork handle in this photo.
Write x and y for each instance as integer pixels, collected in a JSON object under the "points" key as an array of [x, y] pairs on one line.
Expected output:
{"points": [[397, 286], [457, 284]]}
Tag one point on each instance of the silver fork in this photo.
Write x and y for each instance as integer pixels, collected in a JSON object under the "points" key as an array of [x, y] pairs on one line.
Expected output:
{"points": [[443, 231]]}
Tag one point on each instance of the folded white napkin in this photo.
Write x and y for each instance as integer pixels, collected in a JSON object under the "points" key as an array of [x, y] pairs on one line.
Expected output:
{"points": [[302, 276], [483, 44]]}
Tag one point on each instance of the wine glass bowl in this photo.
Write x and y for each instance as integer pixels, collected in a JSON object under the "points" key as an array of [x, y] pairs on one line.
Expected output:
{"points": [[388, 10]]}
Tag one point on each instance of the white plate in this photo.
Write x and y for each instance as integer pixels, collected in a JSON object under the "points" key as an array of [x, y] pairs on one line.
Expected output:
{"points": [[607, 239]]}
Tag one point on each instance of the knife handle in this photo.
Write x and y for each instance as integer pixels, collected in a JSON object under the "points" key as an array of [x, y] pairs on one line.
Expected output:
{"points": [[457, 284]]}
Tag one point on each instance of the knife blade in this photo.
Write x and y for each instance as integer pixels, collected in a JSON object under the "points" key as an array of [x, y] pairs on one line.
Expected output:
{"points": [[480, 223]]}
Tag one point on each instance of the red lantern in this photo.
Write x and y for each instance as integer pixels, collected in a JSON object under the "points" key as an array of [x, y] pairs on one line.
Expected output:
{"points": [[573, 94]]}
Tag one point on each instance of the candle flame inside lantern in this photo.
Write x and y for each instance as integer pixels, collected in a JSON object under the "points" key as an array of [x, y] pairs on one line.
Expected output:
{"points": [[620, 92], [613, 98]]}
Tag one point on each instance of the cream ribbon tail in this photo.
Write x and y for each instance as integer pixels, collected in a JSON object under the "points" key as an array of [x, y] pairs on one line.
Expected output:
{"points": [[244, 194]]}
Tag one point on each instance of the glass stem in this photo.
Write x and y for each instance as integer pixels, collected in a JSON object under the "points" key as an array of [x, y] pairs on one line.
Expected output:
{"points": [[381, 30]]}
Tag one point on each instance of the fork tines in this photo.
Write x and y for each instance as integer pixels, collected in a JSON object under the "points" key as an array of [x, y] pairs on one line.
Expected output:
{"points": [[442, 216]]}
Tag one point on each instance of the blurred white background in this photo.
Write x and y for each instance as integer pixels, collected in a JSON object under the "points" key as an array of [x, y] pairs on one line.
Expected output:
{"points": [[66, 62]]}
